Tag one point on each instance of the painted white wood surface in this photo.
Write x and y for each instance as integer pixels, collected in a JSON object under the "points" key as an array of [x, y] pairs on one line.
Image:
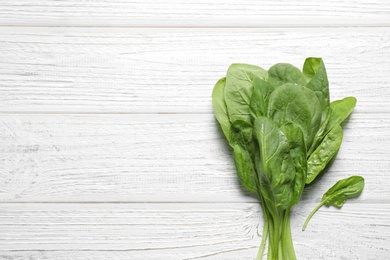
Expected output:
{"points": [[157, 158], [179, 13], [185, 231], [109, 149], [173, 70]]}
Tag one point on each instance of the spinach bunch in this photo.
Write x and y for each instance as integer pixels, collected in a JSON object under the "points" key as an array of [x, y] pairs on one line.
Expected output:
{"points": [[284, 132]]}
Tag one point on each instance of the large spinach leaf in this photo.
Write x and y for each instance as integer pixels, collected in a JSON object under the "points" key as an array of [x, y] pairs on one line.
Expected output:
{"points": [[283, 73], [276, 168], [297, 104], [239, 89]]}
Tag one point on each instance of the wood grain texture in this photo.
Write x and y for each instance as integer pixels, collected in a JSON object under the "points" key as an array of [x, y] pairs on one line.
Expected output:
{"points": [[160, 158], [195, 13], [108, 145], [111, 70], [184, 231]]}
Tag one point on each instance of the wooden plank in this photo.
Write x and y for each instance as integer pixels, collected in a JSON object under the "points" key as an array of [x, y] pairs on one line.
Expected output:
{"points": [[195, 13], [109, 70], [160, 158], [185, 231]]}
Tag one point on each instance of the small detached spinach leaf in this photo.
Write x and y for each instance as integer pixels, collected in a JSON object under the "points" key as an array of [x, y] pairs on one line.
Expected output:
{"points": [[336, 196]]}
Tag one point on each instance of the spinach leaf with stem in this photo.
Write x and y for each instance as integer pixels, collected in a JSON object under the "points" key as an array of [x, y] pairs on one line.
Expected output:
{"points": [[336, 196]]}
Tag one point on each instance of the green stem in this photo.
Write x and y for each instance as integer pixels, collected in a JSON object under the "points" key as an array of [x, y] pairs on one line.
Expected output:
{"points": [[271, 238], [275, 237], [264, 238], [283, 235], [289, 246], [260, 253], [311, 214], [280, 253], [284, 242]]}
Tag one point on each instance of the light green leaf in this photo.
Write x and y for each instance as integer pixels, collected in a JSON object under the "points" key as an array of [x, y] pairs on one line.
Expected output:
{"points": [[239, 89], [219, 106], [344, 189], [282, 73], [340, 110], [259, 100], [314, 70], [337, 195]]}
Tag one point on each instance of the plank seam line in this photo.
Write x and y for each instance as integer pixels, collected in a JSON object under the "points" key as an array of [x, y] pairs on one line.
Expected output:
{"points": [[134, 113], [169, 202], [276, 26]]}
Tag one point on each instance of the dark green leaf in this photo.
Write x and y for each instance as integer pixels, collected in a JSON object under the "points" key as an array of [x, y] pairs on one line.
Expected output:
{"points": [[244, 150], [241, 132], [275, 168], [324, 153], [298, 154], [320, 134], [245, 168], [297, 104]]}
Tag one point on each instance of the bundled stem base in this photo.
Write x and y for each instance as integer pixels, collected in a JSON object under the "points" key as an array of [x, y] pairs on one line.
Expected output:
{"points": [[278, 233]]}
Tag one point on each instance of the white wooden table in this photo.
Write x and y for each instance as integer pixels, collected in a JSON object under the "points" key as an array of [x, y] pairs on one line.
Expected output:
{"points": [[109, 148]]}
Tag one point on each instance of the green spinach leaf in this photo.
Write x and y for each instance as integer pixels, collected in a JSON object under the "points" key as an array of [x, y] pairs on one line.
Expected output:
{"points": [[239, 89], [340, 110], [324, 153], [337, 195], [282, 73], [244, 154], [219, 106], [275, 169], [297, 104], [314, 70], [297, 145], [260, 97]]}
